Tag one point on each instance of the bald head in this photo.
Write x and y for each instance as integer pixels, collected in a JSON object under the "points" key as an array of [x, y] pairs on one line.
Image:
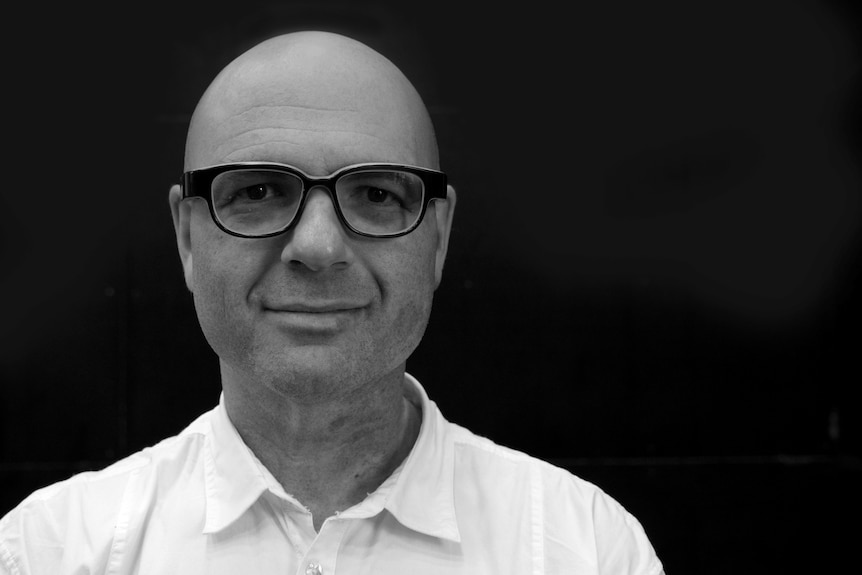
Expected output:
{"points": [[315, 100]]}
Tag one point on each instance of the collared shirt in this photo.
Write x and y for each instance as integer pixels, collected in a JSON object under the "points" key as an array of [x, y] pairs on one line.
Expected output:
{"points": [[201, 503]]}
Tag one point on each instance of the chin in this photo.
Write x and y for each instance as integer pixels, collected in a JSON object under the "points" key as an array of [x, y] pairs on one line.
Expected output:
{"points": [[312, 375]]}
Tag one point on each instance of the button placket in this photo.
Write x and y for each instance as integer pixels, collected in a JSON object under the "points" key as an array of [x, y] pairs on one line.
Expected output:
{"points": [[321, 557], [290, 518]]}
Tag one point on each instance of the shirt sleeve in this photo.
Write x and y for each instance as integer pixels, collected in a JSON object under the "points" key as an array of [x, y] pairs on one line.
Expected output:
{"points": [[622, 545], [8, 565], [587, 531], [67, 527], [29, 541]]}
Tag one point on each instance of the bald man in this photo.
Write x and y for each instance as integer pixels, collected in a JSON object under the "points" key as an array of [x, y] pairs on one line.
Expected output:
{"points": [[312, 224]]}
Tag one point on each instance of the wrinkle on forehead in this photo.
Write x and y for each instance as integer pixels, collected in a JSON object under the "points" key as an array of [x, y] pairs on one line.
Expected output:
{"points": [[274, 135], [291, 118], [324, 140], [310, 89], [343, 148]]}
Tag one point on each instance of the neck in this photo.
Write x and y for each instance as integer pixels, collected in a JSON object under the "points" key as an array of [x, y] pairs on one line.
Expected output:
{"points": [[328, 454]]}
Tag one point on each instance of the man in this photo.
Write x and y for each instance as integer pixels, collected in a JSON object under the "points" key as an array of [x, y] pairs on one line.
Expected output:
{"points": [[312, 226]]}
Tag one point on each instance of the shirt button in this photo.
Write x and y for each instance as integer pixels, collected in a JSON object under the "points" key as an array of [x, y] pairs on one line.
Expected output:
{"points": [[314, 568]]}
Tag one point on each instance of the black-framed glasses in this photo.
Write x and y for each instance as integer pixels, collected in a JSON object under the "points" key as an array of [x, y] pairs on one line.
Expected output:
{"points": [[263, 199]]}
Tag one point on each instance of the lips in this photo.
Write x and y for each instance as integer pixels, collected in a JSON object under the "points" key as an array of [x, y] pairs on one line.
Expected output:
{"points": [[315, 320], [317, 307]]}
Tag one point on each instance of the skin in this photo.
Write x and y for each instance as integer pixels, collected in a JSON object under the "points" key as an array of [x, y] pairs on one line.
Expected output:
{"points": [[313, 327]]}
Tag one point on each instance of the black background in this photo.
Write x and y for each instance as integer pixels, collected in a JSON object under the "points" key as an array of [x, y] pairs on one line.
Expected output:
{"points": [[653, 276]]}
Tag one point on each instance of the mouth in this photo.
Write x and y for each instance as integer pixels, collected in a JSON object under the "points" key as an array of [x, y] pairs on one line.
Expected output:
{"points": [[313, 308], [330, 317]]}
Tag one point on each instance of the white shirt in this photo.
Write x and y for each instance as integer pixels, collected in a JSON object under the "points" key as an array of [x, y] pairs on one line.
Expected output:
{"points": [[201, 502]]}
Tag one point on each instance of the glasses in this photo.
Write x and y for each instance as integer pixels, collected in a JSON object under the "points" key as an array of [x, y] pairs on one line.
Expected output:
{"points": [[259, 199]]}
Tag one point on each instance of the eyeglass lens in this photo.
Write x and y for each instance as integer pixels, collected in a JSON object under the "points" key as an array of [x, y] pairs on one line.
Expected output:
{"points": [[260, 201]]}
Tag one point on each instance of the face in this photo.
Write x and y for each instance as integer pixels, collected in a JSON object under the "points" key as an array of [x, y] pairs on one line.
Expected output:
{"points": [[317, 311]]}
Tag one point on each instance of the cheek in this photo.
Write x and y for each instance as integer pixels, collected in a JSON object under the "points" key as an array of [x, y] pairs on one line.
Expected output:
{"points": [[219, 296], [408, 270], [410, 293], [399, 334], [410, 323]]}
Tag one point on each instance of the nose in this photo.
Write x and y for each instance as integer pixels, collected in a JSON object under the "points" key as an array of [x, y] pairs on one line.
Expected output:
{"points": [[317, 240]]}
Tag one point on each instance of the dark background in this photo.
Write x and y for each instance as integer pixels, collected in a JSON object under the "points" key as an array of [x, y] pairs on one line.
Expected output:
{"points": [[653, 277]]}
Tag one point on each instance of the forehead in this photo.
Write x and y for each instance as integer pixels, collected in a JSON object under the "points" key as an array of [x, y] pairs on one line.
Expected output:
{"points": [[316, 111], [318, 140]]}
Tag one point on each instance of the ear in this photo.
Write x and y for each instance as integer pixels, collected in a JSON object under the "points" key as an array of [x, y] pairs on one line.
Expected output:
{"points": [[181, 213], [445, 211]]}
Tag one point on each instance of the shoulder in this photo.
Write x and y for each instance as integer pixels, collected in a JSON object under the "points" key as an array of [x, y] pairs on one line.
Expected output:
{"points": [[579, 522], [107, 484], [81, 514]]}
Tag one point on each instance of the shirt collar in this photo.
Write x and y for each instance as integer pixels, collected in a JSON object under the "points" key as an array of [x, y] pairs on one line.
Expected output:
{"points": [[233, 480], [422, 498]]}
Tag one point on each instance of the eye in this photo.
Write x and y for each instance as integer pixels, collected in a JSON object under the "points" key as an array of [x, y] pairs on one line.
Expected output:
{"points": [[378, 195], [256, 192]]}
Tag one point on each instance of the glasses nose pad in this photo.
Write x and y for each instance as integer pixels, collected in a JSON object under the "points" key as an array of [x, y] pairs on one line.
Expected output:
{"points": [[313, 202], [318, 238]]}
